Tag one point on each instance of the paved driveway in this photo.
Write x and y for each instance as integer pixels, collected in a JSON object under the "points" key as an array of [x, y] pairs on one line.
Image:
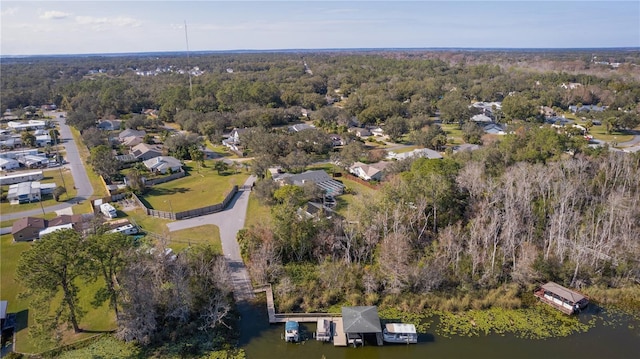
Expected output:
{"points": [[230, 221]]}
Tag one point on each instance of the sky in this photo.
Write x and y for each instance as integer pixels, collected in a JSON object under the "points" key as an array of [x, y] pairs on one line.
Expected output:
{"points": [[85, 27]]}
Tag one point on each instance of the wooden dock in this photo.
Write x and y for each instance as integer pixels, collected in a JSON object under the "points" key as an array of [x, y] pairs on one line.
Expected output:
{"points": [[339, 337], [271, 308]]}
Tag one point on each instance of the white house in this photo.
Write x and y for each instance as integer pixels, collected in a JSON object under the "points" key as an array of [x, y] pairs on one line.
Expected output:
{"points": [[7, 164], [368, 172], [163, 164], [420, 152]]}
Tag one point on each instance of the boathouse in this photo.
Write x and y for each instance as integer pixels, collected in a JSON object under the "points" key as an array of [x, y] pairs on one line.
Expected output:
{"points": [[561, 298], [360, 321]]}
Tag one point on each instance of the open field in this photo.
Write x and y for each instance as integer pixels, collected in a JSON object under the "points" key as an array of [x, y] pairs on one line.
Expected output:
{"points": [[59, 177], [198, 189]]}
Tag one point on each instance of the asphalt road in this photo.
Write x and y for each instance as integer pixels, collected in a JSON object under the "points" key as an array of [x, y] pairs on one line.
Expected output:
{"points": [[230, 221], [78, 171]]}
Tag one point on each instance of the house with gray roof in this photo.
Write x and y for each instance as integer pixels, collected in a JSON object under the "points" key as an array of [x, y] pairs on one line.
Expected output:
{"points": [[163, 164], [320, 178], [420, 152]]}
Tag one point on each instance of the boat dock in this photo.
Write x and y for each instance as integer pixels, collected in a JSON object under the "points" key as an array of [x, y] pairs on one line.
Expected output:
{"points": [[339, 337]]}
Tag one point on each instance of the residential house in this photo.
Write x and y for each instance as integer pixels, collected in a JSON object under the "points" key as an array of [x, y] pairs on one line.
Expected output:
{"points": [[360, 132], [151, 113], [27, 228], [7, 164], [163, 164], [143, 151], [18, 126], [300, 127], [587, 108], [132, 141], [314, 210], [377, 131], [320, 178], [33, 161], [65, 219], [233, 141], [465, 147], [494, 129], [43, 140], [368, 172], [420, 152], [27, 192], [481, 119], [129, 132], [109, 125], [51, 229]]}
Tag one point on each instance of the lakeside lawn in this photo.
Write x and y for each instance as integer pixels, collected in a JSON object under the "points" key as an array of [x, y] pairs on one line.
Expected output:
{"points": [[59, 177], [200, 188], [96, 319]]}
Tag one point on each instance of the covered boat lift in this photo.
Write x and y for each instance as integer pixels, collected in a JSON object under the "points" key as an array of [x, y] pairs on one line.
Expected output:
{"points": [[561, 298]]}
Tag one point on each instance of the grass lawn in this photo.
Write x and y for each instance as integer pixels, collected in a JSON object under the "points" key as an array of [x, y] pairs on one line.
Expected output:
{"points": [[453, 132], [198, 189], [257, 213], [600, 133], [206, 234], [58, 177], [97, 319], [147, 223], [99, 190]]}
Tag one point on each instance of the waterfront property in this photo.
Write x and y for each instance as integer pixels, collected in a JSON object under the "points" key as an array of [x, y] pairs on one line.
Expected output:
{"points": [[400, 333], [561, 298]]}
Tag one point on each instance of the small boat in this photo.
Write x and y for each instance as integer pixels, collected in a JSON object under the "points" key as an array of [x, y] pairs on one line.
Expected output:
{"points": [[291, 331], [400, 333], [323, 332]]}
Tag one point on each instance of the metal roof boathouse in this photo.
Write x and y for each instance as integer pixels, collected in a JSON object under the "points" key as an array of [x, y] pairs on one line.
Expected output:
{"points": [[561, 298]]}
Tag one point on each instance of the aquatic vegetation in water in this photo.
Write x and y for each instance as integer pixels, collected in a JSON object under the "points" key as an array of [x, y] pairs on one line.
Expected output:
{"points": [[420, 320], [537, 322]]}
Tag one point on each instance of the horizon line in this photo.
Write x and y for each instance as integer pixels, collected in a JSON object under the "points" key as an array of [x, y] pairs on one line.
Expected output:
{"points": [[328, 49]]}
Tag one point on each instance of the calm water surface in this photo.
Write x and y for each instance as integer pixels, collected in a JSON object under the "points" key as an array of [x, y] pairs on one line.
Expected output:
{"points": [[261, 340]]}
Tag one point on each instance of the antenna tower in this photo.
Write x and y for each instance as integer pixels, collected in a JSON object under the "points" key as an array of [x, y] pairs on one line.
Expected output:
{"points": [[186, 37]]}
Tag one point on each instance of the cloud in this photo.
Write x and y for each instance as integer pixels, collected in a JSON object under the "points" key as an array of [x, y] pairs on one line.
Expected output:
{"points": [[9, 11], [54, 15], [101, 23]]}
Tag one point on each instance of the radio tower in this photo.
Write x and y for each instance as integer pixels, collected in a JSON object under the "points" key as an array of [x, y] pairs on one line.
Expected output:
{"points": [[186, 37]]}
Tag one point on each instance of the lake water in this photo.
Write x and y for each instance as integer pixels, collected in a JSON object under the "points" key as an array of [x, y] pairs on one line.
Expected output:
{"points": [[262, 340]]}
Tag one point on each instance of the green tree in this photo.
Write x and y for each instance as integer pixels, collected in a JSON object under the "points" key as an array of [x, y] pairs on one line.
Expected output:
{"points": [[519, 107], [28, 139], [104, 162], [108, 252], [395, 127], [58, 191], [221, 166], [454, 108], [52, 265]]}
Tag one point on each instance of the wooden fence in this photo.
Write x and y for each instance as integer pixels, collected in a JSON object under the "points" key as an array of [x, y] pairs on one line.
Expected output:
{"points": [[188, 213]]}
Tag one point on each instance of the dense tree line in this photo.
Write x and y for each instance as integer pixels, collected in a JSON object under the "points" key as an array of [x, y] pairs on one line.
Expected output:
{"points": [[474, 222]]}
